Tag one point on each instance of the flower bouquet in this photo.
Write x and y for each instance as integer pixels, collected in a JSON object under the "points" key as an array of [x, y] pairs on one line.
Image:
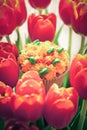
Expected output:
{"points": [[43, 84]]}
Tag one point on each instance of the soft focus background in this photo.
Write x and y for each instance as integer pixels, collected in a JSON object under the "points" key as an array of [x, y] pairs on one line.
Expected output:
{"points": [[64, 36]]}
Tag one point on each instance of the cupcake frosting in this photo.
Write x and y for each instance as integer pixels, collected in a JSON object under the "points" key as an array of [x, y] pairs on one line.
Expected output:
{"points": [[48, 59]]}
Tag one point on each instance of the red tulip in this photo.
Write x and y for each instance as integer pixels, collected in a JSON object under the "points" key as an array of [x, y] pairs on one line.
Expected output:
{"points": [[19, 9], [9, 69], [27, 103], [30, 82], [66, 9], [7, 20], [39, 4], [79, 19], [13, 124], [27, 107], [78, 74], [13, 13], [5, 100], [40, 26], [74, 13], [10, 48], [60, 106]]}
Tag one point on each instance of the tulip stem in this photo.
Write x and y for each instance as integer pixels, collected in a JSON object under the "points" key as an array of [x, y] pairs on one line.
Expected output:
{"points": [[40, 11], [8, 39], [82, 44], [82, 115], [70, 41], [66, 78], [19, 41]]}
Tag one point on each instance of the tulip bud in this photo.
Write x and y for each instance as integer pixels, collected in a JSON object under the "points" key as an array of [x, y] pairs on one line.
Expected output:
{"points": [[28, 102], [5, 100], [40, 26], [9, 70], [60, 107], [66, 9], [7, 20], [39, 4], [78, 74], [79, 18], [19, 9], [10, 48]]}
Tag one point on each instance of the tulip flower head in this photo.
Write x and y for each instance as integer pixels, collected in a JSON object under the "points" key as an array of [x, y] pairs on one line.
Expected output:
{"points": [[9, 70], [28, 102], [13, 124], [9, 48], [78, 74], [13, 13], [42, 27], [60, 107], [7, 25], [19, 9], [5, 100], [74, 13], [39, 4]]}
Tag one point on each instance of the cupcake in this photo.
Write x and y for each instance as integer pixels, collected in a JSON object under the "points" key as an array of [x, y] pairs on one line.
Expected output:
{"points": [[48, 59]]}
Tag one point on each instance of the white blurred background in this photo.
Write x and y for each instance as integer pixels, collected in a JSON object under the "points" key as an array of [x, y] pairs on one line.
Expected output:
{"points": [[64, 36]]}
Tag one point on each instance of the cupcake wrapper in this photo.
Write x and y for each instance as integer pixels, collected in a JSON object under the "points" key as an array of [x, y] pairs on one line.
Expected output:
{"points": [[58, 80]]}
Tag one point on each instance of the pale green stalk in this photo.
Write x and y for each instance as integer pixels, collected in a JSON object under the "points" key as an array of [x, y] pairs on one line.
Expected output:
{"points": [[82, 115]]}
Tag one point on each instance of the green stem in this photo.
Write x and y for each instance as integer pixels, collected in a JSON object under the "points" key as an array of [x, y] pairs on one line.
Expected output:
{"points": [[66, 78], [8, 39], [82, 44], [19, 41], [82, 115], [70, 41], [46, 11], [40, 11]]}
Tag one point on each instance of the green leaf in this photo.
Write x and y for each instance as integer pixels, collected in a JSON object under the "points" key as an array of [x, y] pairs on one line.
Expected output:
{"points": [[27, 40], [40, 123], [85, 124], [74, 123], [67, 128], [47, 128], [2, 123]]}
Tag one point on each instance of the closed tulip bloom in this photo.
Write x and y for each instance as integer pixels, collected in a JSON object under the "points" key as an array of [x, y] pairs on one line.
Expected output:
{"points": [[13, 13], [9, 48], [30, 82], [60, 107], [39, 4], [27, 107], [13, 124], [79, 18], [5, 100], [66, 9], [78, 74], [42, 27], [7, 20], [74, 13], [19, 9], [28, 102], [9, 70]]}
